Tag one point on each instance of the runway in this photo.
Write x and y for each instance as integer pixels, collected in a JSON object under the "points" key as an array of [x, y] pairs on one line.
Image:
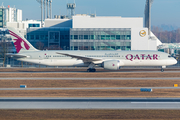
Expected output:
{"points": [[52, 78], [89, 103], [91, 88], [125, 71]]}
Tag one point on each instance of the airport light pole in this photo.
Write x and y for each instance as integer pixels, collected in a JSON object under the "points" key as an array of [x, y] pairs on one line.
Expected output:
{"points": [[44, 9], [41, 2]]}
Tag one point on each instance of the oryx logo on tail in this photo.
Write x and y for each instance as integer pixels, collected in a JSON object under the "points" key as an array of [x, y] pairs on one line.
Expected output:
{"points": [[19, 43]]}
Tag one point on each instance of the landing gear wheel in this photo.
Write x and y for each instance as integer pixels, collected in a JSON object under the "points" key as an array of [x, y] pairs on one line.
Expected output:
{"points": [[162, 70], [91, 70]]}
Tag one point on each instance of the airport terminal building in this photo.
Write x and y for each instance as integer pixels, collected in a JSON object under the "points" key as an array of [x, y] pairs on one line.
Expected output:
{"points": [[84, 32]]}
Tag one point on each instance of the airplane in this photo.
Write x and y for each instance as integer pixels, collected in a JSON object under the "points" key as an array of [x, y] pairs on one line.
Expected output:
{"points": [[110, 60]]}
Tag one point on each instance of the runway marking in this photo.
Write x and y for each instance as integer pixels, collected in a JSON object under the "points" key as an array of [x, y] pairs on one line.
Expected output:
{"points": [[155, 102], [129, 100], [101, 88], [166, 78]]}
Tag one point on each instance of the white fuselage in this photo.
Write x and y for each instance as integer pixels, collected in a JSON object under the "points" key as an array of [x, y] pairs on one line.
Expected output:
{"points": [[126, 58]]}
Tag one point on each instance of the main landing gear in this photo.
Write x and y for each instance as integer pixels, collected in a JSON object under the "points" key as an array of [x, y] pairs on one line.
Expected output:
{"points": [[91, 70]]}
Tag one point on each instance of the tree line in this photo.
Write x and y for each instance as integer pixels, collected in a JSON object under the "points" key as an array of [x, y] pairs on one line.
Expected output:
{"points": [[166, 36]]}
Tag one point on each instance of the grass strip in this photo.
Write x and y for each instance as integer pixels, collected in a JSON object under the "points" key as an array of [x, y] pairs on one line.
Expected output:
{"points": [[89, 114]]}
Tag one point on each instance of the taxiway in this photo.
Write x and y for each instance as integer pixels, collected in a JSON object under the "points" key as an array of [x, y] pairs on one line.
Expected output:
{"points": [[97, 78], [89, 103]]}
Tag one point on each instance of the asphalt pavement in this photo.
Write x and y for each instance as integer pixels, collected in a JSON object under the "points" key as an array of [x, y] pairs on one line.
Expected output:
{"points": [[89, 103]]}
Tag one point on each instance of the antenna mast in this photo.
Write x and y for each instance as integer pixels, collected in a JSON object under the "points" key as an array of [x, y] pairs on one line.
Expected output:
{"points": [[148, 15]]}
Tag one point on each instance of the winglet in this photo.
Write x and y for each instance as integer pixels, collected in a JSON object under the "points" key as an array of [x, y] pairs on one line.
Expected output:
{"points": [[20, 43]]}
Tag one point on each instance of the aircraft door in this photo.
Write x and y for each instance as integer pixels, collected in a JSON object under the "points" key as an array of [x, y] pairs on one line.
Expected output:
{"points": [[41, 56]]}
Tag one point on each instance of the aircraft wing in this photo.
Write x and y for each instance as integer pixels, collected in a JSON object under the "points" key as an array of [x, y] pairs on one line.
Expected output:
{"points": [[17, 55], [85, 59]]}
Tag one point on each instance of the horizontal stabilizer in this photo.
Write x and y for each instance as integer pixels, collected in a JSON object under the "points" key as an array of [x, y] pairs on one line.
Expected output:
{"points": [[17, 55]]}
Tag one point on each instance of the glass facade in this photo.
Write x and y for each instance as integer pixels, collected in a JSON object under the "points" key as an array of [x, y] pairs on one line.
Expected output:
{"points": [[34, 25], [1, 18], [81, 38], [100, 39], [5, 37], [51, 38]]}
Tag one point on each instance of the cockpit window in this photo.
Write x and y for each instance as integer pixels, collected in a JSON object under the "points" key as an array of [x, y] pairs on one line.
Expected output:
{"points": [[169, 55]]}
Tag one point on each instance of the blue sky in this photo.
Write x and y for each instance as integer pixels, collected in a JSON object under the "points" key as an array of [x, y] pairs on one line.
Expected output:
{"points": [[163, 11]]}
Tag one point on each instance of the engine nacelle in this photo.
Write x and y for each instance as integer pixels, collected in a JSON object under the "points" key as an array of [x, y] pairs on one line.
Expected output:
{"points": [[111, 65]]}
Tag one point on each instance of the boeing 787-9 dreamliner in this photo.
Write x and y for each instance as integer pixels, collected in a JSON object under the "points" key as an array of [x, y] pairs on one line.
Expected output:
{"points": [[110, 60]]}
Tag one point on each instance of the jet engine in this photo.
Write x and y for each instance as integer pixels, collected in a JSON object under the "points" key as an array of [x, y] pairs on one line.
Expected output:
{"points": [[111, 65]]}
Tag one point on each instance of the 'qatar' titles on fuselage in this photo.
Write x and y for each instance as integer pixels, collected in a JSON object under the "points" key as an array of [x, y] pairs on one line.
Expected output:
{"points": [[142, 57]]}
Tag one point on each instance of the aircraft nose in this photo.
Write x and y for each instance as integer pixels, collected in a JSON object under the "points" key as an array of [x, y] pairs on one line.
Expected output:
{"points": [[175, 61], [171, 61]]}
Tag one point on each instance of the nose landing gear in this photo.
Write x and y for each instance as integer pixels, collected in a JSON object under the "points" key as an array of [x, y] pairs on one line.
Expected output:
{"points": [[162, 69]]}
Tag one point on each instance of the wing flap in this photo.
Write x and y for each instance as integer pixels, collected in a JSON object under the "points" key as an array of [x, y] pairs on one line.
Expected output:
{"points": [[85, 59]]}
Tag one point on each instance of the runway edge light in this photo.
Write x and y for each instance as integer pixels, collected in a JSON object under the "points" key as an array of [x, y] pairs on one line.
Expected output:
{"points": [[175, 85]]}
